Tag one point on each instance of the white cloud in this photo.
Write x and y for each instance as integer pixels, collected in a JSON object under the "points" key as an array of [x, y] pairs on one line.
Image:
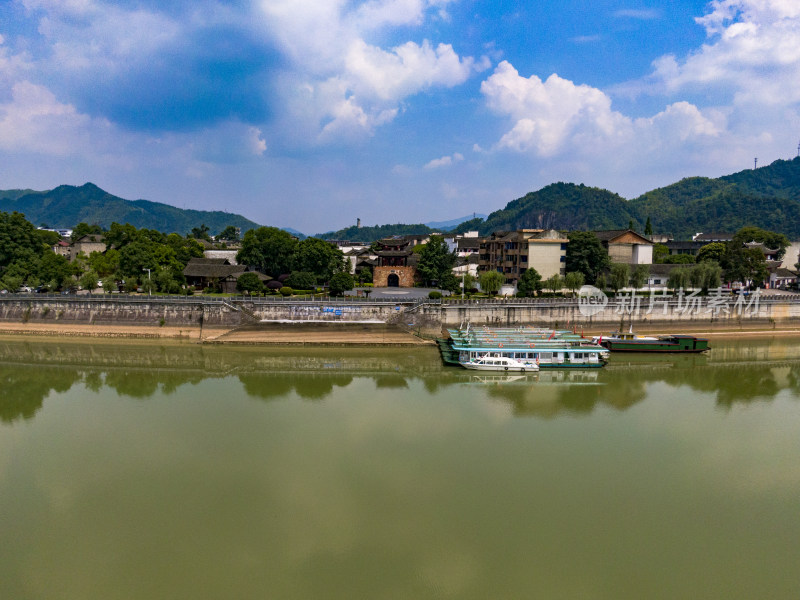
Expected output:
{"points": [[34, 121], [355, 86], [444, 161], [548, 114], [753, 53], [403, 71]]}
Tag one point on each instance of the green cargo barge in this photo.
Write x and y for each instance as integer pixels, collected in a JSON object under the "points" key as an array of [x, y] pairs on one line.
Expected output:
{"points": [[629, 342]]}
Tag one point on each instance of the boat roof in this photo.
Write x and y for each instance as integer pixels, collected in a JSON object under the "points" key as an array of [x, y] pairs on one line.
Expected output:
{"points": [[520, 338]]}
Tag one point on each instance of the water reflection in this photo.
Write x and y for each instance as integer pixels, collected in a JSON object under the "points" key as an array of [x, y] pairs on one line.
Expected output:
{"points": [[735, 372]]}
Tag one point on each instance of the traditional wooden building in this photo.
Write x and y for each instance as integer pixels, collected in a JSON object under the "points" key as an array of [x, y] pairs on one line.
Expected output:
{"points": [[201, 273], [396, 264]]}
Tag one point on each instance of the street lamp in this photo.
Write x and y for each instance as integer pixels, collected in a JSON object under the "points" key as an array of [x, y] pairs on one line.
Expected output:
{"points": [[150, 285]]}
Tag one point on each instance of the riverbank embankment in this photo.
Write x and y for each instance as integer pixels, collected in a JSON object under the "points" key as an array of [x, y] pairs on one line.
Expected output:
{"points": [[388, 322]]}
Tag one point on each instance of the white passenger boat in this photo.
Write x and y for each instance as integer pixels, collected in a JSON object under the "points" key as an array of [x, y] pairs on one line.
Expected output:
{"points": [[496, 361], [542, 348]]}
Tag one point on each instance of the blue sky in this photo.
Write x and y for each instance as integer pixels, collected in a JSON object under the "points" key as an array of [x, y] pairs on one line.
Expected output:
{"points": [[313, 113]]}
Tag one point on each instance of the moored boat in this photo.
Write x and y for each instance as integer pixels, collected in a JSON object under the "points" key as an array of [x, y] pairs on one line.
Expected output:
{"points": [[630, 342], [545, 348], [495, 361]]}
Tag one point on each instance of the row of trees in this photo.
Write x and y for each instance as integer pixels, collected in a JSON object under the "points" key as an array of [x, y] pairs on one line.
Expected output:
{"points": [[137, 256]]}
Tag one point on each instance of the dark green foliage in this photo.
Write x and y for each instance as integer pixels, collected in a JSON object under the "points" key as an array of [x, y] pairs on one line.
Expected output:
{"points": [[319, 257], [585, 254], [679, 259], [371, 234], [269, 249], [529, 282], [475, 224], [436, 262], [648, 227], [340, 283], [301, 280], [491, 281], [201, 233], [619, 276], [67, 205], [286, 291], [639, 276], [744, 265], [774, 241], [714, 251], [660, 254], [229, 233], [564, 206], [434, 295], [82, 229]]}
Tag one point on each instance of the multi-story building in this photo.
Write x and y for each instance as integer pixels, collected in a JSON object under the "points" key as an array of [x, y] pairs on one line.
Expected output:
{"points": [[513, 252]]}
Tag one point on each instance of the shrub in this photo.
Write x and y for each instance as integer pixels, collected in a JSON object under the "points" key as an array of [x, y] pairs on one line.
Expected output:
{"points": [[301, 280], [434, 295], [286, 291]]}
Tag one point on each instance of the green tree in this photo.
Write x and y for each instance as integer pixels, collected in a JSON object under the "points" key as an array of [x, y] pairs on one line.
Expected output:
{"points": [[469, 281], [639, 276], [705, 275], [680, 259], [619, 276], [185, 248], [268, 249], [491, 282], [574, 280], [136, 257], [746, 265], [88, 281], [529, 282], [323, 259], [772, 240], [714, 251], [301, 280], [585, 254], [660, 254], [554, 283], [648, 227], [340, 283], [54, 268], [229, 233], [249, 283], [678, 279], [436, 262], [104, 263], [201, 233], [109, 285], [83, 229]]}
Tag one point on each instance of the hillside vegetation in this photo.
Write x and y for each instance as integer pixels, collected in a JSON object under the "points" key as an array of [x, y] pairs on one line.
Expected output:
{"points": [[67, 205]]}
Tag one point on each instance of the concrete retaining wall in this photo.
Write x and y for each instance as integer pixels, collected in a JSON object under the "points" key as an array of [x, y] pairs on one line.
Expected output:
{"points": [[425, 318]]}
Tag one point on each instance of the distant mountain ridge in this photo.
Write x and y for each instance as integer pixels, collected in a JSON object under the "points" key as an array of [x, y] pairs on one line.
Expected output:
{"points": [[768, 197], [67, 205]]}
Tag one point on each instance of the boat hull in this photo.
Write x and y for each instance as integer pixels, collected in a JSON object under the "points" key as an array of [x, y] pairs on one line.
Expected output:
{"points": [[510, 369], [674, 344]]}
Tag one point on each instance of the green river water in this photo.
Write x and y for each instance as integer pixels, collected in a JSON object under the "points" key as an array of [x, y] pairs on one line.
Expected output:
{"points": [[147, 471]]}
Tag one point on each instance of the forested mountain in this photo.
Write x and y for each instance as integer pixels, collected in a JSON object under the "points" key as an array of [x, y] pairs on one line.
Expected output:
{"points": [[768, 197], [67, 205], [562, 206], [370, 234]]}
